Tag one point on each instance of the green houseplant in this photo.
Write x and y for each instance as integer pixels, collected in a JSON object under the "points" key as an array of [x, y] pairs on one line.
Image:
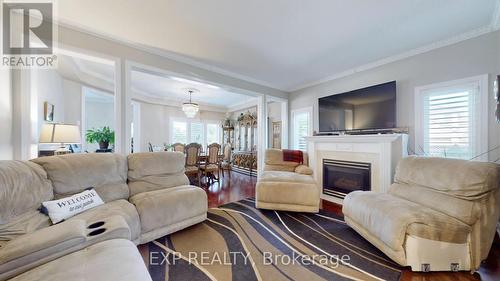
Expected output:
{"points": [[103, 136]]}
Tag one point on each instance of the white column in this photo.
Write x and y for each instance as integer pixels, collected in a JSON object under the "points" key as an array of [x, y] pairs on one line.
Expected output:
{"points": [[25, 116], [123, 111], [136, 109], [6, 115], [284, 125], [129, 114], [262, 129]]}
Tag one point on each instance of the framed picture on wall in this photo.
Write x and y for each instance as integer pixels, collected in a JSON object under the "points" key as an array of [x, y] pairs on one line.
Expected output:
{"points": [[277, 135], [48, 112]]}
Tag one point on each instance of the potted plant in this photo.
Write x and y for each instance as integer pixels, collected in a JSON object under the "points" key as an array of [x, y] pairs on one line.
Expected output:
{"points": [[103, 136]]}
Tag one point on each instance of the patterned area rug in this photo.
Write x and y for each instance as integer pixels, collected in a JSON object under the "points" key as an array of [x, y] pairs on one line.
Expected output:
{"points": [[240, 242]]}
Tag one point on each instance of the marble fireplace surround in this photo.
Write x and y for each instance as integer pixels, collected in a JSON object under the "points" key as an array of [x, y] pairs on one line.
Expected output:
{"points": [[383, 152]]}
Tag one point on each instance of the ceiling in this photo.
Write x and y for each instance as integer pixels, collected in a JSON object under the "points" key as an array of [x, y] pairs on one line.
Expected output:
{"points": [[88, 72], [174, 89], [93, 95], [151, 87], [284, 44]]}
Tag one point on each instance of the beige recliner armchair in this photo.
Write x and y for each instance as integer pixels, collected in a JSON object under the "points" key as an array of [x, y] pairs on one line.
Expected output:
{"points": [[439, 215], [286, 185]]}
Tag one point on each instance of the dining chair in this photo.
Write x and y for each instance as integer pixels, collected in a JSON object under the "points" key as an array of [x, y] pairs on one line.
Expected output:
{"points": [[178, 147], [192, 165], [225, 164], [212, 164]]}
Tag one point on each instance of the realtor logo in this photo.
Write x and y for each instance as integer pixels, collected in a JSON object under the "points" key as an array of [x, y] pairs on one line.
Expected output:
{"points": [[28, 35]]}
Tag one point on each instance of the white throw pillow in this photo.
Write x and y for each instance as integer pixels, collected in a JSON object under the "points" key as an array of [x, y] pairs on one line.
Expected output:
{"points": [[59, 210]]}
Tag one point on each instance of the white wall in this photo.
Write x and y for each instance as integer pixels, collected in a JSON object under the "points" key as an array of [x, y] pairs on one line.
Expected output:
{"points": [[472, 57], [99, 111], [155, 122], [86, 41], [274, 115], [46, 86], [72, 102], [81, 41], [6, 148]]}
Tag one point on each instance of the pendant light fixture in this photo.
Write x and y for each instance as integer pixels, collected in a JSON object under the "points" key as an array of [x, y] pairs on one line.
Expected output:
{"points": [[190, 108]]}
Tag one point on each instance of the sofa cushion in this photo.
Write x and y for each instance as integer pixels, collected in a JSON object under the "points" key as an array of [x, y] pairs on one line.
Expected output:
{"points": [[464, 210], [165, 207], [463, 179], [287, 188], [72, 173], [23, 224], [390, 219], [281, 176], [65, 208], [155, 170], [23, 187], [116, 259], [121, 208], [282, 168], [275, 157]]}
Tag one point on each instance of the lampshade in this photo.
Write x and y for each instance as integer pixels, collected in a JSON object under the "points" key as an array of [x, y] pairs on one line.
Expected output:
{"points": [[60, 133]]}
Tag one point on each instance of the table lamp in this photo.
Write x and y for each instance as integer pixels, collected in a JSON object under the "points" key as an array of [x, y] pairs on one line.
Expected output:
{"points": [[60, 133]]}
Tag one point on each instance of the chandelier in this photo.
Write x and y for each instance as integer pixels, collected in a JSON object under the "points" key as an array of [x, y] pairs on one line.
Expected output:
{"points": [[190, 108]]}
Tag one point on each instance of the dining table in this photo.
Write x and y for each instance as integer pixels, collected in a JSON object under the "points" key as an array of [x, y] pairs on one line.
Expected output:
{"points": [[203, 157]]}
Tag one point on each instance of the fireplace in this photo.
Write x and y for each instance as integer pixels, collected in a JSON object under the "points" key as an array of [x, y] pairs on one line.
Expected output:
{"points": [[342, 177]]}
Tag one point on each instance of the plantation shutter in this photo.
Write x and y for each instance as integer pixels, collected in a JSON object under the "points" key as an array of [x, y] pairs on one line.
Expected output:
{"points": [[197, 133], [212, 133], [451, 117], [179, 132], [301, 129]]}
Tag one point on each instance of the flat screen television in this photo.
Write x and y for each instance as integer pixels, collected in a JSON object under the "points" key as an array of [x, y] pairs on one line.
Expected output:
{"points": [[363, 109]]}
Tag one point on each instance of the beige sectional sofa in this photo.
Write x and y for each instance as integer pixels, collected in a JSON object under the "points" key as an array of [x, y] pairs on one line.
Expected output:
{"points": [[439, 215], [286, 185], [146, 197]]}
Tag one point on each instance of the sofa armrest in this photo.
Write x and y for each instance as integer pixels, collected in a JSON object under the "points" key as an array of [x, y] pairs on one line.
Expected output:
{"points": [[47, 244], [303, 170]]}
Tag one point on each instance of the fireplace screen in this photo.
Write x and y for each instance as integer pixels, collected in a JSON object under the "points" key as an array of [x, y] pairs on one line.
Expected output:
{"points": [[342, 177]]}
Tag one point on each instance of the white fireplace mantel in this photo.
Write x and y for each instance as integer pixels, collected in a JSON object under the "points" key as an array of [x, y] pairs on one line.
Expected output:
{"points": [[382, 151]]}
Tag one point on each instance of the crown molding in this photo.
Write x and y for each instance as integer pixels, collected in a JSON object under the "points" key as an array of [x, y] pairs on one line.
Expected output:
{"points": [[494, 25], [163, 53], [433, 46]]}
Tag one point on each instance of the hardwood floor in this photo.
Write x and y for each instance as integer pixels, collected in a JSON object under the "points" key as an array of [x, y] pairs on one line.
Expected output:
{"points": [[238, 186], [233, 187]]}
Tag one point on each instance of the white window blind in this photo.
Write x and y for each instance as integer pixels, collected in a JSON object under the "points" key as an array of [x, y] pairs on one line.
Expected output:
{"points": [[301, 128], [451, 118], [212, 133], [197, 132], [179, 132]]}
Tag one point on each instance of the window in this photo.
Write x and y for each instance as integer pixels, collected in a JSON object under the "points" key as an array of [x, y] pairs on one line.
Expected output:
{"points": [[197, 132], [450, 119], [302, 126], [212, 133], [187, 131], [179, 132]]}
